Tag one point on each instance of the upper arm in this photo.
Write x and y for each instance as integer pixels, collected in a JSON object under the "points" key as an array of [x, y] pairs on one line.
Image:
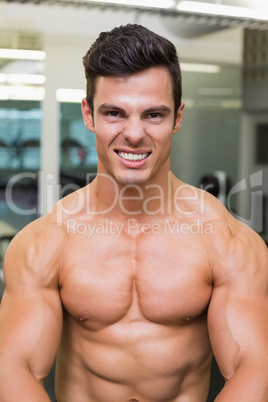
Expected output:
{"points": [[30, 311], [238, 311]]}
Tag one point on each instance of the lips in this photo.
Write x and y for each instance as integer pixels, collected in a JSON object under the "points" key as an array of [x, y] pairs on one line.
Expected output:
{"points": [[133, 157]]}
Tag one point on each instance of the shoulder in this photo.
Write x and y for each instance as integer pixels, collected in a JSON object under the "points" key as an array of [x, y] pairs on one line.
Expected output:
{"points": [[236, 251], [50, 231], [35, 251], [233, 248], [44, 230]]}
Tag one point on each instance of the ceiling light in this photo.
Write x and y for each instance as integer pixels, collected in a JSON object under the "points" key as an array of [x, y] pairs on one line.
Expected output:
{"points": [[189, 103], [216, 91], [21, 93], [141, 3], [22, 54], [222, 10], [24, 79], [70, 95], [232, 104], [200, 68]]}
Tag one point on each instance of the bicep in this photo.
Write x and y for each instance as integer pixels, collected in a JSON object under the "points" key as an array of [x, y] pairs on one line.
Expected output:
{"points": [[238, 329], [30, 312], [31, 329], [237, 315]]}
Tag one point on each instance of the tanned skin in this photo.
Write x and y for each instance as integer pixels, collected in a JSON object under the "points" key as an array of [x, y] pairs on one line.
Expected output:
{"points": [[135, 279]]}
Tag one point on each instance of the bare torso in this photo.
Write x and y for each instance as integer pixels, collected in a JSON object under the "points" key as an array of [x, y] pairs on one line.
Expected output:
{"points": [[134, 294], [135, 311]]}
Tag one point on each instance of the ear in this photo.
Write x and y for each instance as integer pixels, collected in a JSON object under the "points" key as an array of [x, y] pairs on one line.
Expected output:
{"points": [[178, 118], [87, 115]]}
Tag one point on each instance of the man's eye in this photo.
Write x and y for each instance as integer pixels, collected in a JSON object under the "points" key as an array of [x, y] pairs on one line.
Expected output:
{"points": [[155, 115], [112, 113]]}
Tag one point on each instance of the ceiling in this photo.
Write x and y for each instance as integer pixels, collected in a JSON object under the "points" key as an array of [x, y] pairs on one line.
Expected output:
{"points": [[175, 9], [191, 25]]}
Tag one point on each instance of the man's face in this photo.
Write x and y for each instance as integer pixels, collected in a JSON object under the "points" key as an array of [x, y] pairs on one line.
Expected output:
{"points": [[134, 123]]}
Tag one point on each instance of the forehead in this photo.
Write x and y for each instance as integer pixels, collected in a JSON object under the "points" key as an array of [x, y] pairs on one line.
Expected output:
{"points": [[151, 85]]}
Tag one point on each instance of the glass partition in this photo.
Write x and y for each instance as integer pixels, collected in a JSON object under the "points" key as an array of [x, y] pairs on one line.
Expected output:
{"points": [[78, 157], [209, 136], [21, 92], [20, 126], [77, 143]]}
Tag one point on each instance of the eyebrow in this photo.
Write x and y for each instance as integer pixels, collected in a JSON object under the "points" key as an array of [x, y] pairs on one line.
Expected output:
{"points": [[106, 106], [158, 108]]}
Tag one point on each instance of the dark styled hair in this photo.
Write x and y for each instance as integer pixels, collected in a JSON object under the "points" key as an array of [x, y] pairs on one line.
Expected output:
{"points": [[127, 50]]}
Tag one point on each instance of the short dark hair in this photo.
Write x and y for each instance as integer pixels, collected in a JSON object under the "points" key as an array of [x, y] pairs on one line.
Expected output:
{"points": [[127, 50]]}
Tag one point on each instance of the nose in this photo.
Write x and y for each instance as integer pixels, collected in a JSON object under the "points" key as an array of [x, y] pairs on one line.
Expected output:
{"points": [[134, 130]]}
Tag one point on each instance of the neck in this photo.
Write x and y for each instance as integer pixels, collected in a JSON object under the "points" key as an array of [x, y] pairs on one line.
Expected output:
{"points": [[144, 201]]}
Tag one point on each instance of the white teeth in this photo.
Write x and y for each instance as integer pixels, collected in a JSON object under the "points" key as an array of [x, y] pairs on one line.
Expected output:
{"points": [[132, 157]]}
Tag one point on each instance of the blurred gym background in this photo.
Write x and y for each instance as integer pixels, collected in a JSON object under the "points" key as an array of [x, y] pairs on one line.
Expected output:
{"points": [[45, 150]]}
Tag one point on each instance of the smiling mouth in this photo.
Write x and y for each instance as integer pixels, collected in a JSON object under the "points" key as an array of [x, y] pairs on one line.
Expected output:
{"points": [[133, 157]]}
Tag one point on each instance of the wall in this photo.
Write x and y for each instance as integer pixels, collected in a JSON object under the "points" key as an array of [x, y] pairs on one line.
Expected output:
{"points": [[221, 46], [68, 32]]}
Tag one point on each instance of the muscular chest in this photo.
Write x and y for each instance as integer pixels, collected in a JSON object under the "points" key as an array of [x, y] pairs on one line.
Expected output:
{"points": [[163, 279]]}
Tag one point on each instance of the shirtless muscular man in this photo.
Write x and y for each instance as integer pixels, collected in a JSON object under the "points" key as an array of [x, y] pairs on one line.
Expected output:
{"points": [[136, 279]]}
